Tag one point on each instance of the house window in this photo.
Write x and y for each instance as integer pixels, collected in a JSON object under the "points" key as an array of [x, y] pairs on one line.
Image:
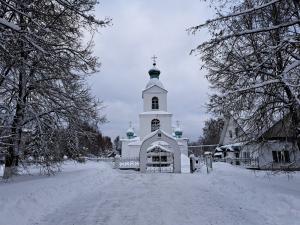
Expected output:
{"points": [[155, 104], [155, 124], [246, 155], [163, 158], [155, 158], [287, 156], [275, 156], [230, 134], [236, 132], [281, 156]]}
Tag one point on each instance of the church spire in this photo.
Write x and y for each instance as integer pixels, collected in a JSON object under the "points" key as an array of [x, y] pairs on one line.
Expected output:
{"points": [[130, 131], [154, 72], [178, 131]]}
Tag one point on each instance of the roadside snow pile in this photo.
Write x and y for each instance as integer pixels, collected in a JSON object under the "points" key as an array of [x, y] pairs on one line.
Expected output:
{"points": [[25, 199]]}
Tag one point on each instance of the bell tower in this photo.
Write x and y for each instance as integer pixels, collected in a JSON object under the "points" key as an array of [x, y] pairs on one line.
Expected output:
{"points": [[154, 115]]}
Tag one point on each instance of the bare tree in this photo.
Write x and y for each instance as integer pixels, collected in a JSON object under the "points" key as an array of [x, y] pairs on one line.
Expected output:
{"points": [[253, 61], [43, 65], [211, 132]]}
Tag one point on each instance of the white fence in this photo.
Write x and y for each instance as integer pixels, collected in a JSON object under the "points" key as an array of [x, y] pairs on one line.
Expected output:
{"points": [[97, 159], [126, 163]]}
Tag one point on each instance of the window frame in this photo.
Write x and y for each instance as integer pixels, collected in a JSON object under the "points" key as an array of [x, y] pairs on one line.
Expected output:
{"points": [[155, 103], [155, 124]]}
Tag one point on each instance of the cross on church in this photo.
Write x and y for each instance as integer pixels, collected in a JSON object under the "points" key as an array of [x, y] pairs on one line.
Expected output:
{"points": [[154, 59]]}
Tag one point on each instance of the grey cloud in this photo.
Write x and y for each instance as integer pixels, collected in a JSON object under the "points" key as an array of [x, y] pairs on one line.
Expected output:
{"points": [[140, 29]]}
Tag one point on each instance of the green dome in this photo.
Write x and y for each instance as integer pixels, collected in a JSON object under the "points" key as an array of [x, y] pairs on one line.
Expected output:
{"points": [[154, 72], [178, 133], [130, 133]]}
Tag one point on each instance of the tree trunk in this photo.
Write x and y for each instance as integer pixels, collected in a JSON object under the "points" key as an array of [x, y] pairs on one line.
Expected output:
{"points": [[12, 158]]}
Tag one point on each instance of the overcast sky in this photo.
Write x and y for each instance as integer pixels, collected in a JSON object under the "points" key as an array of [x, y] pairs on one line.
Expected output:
{"points": [[140, 29]]}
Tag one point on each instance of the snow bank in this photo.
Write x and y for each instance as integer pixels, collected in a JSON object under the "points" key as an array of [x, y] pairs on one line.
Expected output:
{"points": [[93, 193], [26, 199]]}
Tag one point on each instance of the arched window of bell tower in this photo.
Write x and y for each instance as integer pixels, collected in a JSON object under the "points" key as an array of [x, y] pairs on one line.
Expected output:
{"points": [[155, 124], [155, 103]]}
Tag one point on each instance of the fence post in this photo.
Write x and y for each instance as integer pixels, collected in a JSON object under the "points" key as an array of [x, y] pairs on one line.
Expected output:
{"points": [[117, 162]]}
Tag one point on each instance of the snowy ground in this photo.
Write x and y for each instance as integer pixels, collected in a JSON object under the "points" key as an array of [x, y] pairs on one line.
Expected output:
{"points": [[95, 194]]}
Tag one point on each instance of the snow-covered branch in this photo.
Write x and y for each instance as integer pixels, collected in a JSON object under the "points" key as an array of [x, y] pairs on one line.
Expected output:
{"points": [[241, 13], [248, 32]]}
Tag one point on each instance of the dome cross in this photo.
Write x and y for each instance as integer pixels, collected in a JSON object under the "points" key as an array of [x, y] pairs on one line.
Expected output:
{"points": [[154, 57]]}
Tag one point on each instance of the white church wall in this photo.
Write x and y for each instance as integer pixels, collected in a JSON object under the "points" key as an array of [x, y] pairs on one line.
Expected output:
{"points": [[129, 151], [155, 92], [145, 123], [183, 144]]}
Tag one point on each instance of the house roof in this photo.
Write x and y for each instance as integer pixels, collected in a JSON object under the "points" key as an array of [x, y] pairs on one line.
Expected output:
{"points": [[218, 154], [281, 129]]}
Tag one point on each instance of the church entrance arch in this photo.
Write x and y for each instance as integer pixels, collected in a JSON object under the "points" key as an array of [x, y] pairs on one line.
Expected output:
{"points": [[154, 155]]}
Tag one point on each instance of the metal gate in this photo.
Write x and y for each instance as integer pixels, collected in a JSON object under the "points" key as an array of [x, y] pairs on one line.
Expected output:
{"points": [[160, 161]]}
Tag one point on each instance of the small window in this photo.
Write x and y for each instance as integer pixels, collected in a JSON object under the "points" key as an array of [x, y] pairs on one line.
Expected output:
{"points": [[163, 158], [155, 124], [155, 158], [236, 132], [287, 156], [155, 104], [275, 156], [230, 134]]}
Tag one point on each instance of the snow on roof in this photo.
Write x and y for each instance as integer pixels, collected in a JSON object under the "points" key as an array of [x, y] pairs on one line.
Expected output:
{"points": [[218, 154], [154, 82], [138, 142], [238, 144], [218, 149], [231, 147], [207, 153], [130, 130], [155, 132], [157, 146], [130, 140], [161, 143]]}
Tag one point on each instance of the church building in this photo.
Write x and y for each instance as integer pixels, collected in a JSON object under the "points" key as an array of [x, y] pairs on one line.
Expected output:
{"points": [[159, 145]]}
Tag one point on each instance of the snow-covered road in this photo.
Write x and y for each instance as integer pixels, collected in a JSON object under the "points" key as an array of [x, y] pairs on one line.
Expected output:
{"points": [[95, 194]]}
